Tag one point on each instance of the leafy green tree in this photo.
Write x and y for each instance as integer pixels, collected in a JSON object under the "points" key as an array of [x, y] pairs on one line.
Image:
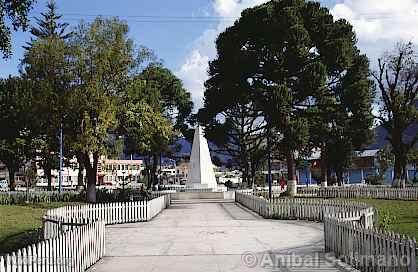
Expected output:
{"points": [[149, 133], [15, 122], [147, 128], [285, 56], [164, 93], [397, 80], [345, 118], [13, 16], [103, 58], [94, 119], [169, 95]]}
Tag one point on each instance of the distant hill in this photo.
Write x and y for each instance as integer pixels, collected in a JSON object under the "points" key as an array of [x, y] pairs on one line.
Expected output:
{"points": [[182, 148]]}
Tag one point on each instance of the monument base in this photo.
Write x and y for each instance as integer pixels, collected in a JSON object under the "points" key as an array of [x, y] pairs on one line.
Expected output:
{"points": [[199, 186], [196, 186]]}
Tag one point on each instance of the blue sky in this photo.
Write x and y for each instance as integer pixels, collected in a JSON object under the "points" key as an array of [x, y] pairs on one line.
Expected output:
{"points": [[186, 47], [170, 41]]}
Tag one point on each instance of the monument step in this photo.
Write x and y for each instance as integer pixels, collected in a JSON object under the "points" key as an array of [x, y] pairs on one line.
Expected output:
{"points": [[197, 201]]}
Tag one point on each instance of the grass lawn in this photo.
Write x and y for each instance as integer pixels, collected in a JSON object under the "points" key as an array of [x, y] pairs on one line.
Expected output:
{"points": [[404, 213], [20, 225]]}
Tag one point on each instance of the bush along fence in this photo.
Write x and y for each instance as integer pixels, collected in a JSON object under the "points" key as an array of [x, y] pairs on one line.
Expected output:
{"points": [[349, 230], [361, 192], [11, 198], [75, 235]]}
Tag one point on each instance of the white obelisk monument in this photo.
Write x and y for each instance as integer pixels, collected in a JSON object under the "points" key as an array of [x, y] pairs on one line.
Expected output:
{"points": [[201, 174]]}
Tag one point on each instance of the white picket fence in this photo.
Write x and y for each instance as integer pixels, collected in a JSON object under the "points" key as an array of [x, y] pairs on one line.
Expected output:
{"points": [[369, 249], [349, 230], [361, 192], [64, 218], [305, 209], [75, 235], [74, 250]]}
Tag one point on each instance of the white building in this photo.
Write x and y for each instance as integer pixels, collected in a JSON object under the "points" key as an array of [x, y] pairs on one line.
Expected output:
{"points": [[69, 176], [115, 173], [110, 173]]}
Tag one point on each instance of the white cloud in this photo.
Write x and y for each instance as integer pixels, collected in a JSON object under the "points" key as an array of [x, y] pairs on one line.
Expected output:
{"points": [[379, 24], [380, 20], [193, 71]]}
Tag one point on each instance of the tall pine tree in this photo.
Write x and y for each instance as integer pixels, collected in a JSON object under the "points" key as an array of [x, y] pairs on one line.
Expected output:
{"points": [[49, 25], [287, 57], [46, 64]]}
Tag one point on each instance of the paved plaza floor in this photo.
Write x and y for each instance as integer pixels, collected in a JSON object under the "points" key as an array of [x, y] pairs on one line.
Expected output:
{"points": [[213, 236]]}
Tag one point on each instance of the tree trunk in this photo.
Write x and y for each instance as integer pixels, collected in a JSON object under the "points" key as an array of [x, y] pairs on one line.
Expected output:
{"points": [[154, 171], [91, 186], [80, 175], [339, 174], [48, 175], [147, 172], [400, 151], [254, 167], [12, 182], [329, 176], [91, 171], [245, 172], [324, 174], [399, 170], [291, 173]]}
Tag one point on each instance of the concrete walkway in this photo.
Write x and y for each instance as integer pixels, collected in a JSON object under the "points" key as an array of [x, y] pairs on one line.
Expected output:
{"points": [[213, 236]]}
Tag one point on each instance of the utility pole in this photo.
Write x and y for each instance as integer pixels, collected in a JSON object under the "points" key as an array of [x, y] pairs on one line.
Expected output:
{"points": [[61, 160]]}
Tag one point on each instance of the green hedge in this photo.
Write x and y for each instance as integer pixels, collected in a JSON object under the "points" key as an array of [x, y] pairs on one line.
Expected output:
{"points": [[102, 196], [11, 198]]}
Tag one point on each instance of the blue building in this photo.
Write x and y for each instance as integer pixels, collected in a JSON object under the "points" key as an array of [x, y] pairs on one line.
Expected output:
{"points": [[365, 164]]}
